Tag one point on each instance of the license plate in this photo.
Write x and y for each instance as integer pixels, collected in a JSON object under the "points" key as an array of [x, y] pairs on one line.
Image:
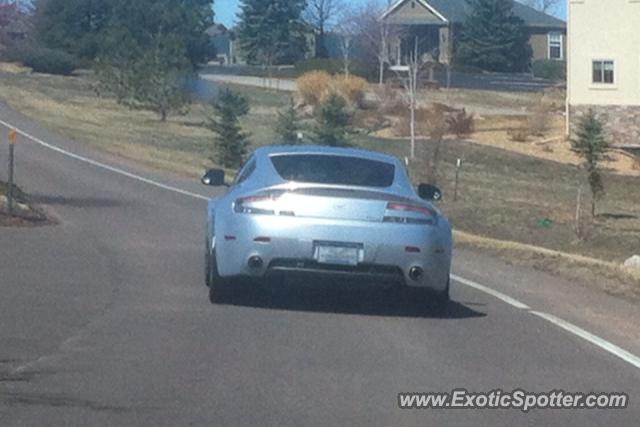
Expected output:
{"points": [[341, 255]]}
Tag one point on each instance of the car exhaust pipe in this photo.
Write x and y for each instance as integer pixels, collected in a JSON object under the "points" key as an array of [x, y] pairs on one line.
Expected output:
{"points": [[255, 262], [416, 273]]}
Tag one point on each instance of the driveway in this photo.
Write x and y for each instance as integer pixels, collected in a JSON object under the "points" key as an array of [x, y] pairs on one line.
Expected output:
{"points": [[478, 81]]}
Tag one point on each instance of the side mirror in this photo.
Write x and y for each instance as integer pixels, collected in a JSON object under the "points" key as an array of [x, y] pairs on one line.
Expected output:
{"points": [[429, 192], [213, 178]]}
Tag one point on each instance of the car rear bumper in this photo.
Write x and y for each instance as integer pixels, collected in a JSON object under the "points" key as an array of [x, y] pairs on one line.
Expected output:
{"points": [[287, 245]]}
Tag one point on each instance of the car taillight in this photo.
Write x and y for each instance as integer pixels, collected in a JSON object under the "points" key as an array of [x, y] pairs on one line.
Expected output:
{"points": [[404, 213], [257, 205]]}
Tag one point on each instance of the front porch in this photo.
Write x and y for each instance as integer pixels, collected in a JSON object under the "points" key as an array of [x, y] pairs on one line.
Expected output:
{"points": [[431, 42]]}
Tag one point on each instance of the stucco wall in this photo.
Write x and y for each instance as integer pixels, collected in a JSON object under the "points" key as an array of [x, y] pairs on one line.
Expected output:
{"points": [[604, 30]]}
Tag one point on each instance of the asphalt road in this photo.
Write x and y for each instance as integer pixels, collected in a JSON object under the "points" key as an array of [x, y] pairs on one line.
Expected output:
{"points": [[104, 321]]}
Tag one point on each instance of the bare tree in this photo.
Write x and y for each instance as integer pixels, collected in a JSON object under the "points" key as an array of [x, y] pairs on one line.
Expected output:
{"points": [[374, 32], [348, 31], [322, 14], [346, 43], [542, 5], [410, 78], [414, 66]]}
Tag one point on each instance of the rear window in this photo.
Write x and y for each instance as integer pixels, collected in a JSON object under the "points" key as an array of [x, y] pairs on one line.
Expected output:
{"points": [[335, 170]]}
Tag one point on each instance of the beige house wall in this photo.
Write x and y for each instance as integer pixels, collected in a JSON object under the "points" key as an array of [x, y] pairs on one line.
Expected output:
{"points": [[604, 30], [540, 44], [415, 10]]}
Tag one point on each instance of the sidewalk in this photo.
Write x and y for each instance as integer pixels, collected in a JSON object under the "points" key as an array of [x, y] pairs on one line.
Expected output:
{"points": [[266, 83]]}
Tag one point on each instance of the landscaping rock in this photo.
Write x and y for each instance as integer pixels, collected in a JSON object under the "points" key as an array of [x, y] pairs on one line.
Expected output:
{"points": [[18, 207], [633, 262]]}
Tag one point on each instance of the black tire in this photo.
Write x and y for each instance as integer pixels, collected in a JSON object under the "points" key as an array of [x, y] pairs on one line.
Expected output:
{"points": [[218, 286], [442, 299], [207, 267]]}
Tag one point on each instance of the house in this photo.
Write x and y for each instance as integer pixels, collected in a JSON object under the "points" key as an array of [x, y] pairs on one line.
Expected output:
{"points": [[229, 51], [14, 23], [223, 41], [604, 65], [438, 24]]}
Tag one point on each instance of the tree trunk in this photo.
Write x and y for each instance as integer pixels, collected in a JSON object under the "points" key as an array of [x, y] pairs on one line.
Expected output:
{"points": [[413, 126], [435, 163]]}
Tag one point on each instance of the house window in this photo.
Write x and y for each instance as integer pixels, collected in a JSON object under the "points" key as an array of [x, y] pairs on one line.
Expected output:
{"points": [[555, 46], [603, 72]]}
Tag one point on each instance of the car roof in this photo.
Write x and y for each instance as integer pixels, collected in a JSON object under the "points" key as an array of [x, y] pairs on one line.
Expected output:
{"points": [[319, 149]]}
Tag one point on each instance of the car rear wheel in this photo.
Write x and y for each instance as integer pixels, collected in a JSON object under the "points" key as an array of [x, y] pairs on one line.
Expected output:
{"points": [[218, 286], [441, 299]]}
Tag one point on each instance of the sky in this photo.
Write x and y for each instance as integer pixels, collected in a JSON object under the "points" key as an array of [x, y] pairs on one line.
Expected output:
{"points": [[226, 10]]}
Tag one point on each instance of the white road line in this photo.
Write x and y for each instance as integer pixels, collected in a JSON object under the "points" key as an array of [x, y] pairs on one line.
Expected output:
{"points": [[104, 166], [506, 298], [593, 339], [587, 336]]}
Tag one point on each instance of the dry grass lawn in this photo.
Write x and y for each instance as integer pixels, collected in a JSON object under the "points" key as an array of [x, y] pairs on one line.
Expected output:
{"points": [[514, 192], [494, 131], [181, 145]]}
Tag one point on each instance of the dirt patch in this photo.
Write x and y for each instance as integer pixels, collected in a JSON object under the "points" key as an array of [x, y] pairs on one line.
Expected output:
{"points": [[12, 68], [496, 131], [609, 277]]}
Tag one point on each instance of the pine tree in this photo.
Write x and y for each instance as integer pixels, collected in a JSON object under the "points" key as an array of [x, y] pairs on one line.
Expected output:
{"points": [[81, 26], [288, 125], [231, 143], [493, 38], [333, 123], [148, 50], [271, 32], [592, 146]]}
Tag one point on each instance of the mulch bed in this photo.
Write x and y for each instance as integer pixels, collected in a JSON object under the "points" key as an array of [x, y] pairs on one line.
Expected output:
{"points": [[25, 214]]}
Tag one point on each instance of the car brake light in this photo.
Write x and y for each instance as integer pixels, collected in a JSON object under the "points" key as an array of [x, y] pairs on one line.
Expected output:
{"points": [[409, 208], [257, 205], [262, 204], [428, 215]]}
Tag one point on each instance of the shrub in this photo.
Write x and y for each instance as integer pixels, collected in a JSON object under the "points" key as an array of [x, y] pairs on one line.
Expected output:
{"points": [[430, 122], [287, 127], [331, 66], [336, 66], [351, 88], [518, 135], [538, 120], [43, 60], [460, 123], [369, 120], [314, 86], [550, 69], [389, 100], [333, 122]]}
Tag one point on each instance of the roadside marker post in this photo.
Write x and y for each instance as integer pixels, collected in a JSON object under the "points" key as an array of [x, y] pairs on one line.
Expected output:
{"points": [[455, 188], [13, 136]]}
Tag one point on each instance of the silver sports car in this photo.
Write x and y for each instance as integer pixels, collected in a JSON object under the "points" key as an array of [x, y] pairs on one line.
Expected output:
{"points": [[327, 211]]}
